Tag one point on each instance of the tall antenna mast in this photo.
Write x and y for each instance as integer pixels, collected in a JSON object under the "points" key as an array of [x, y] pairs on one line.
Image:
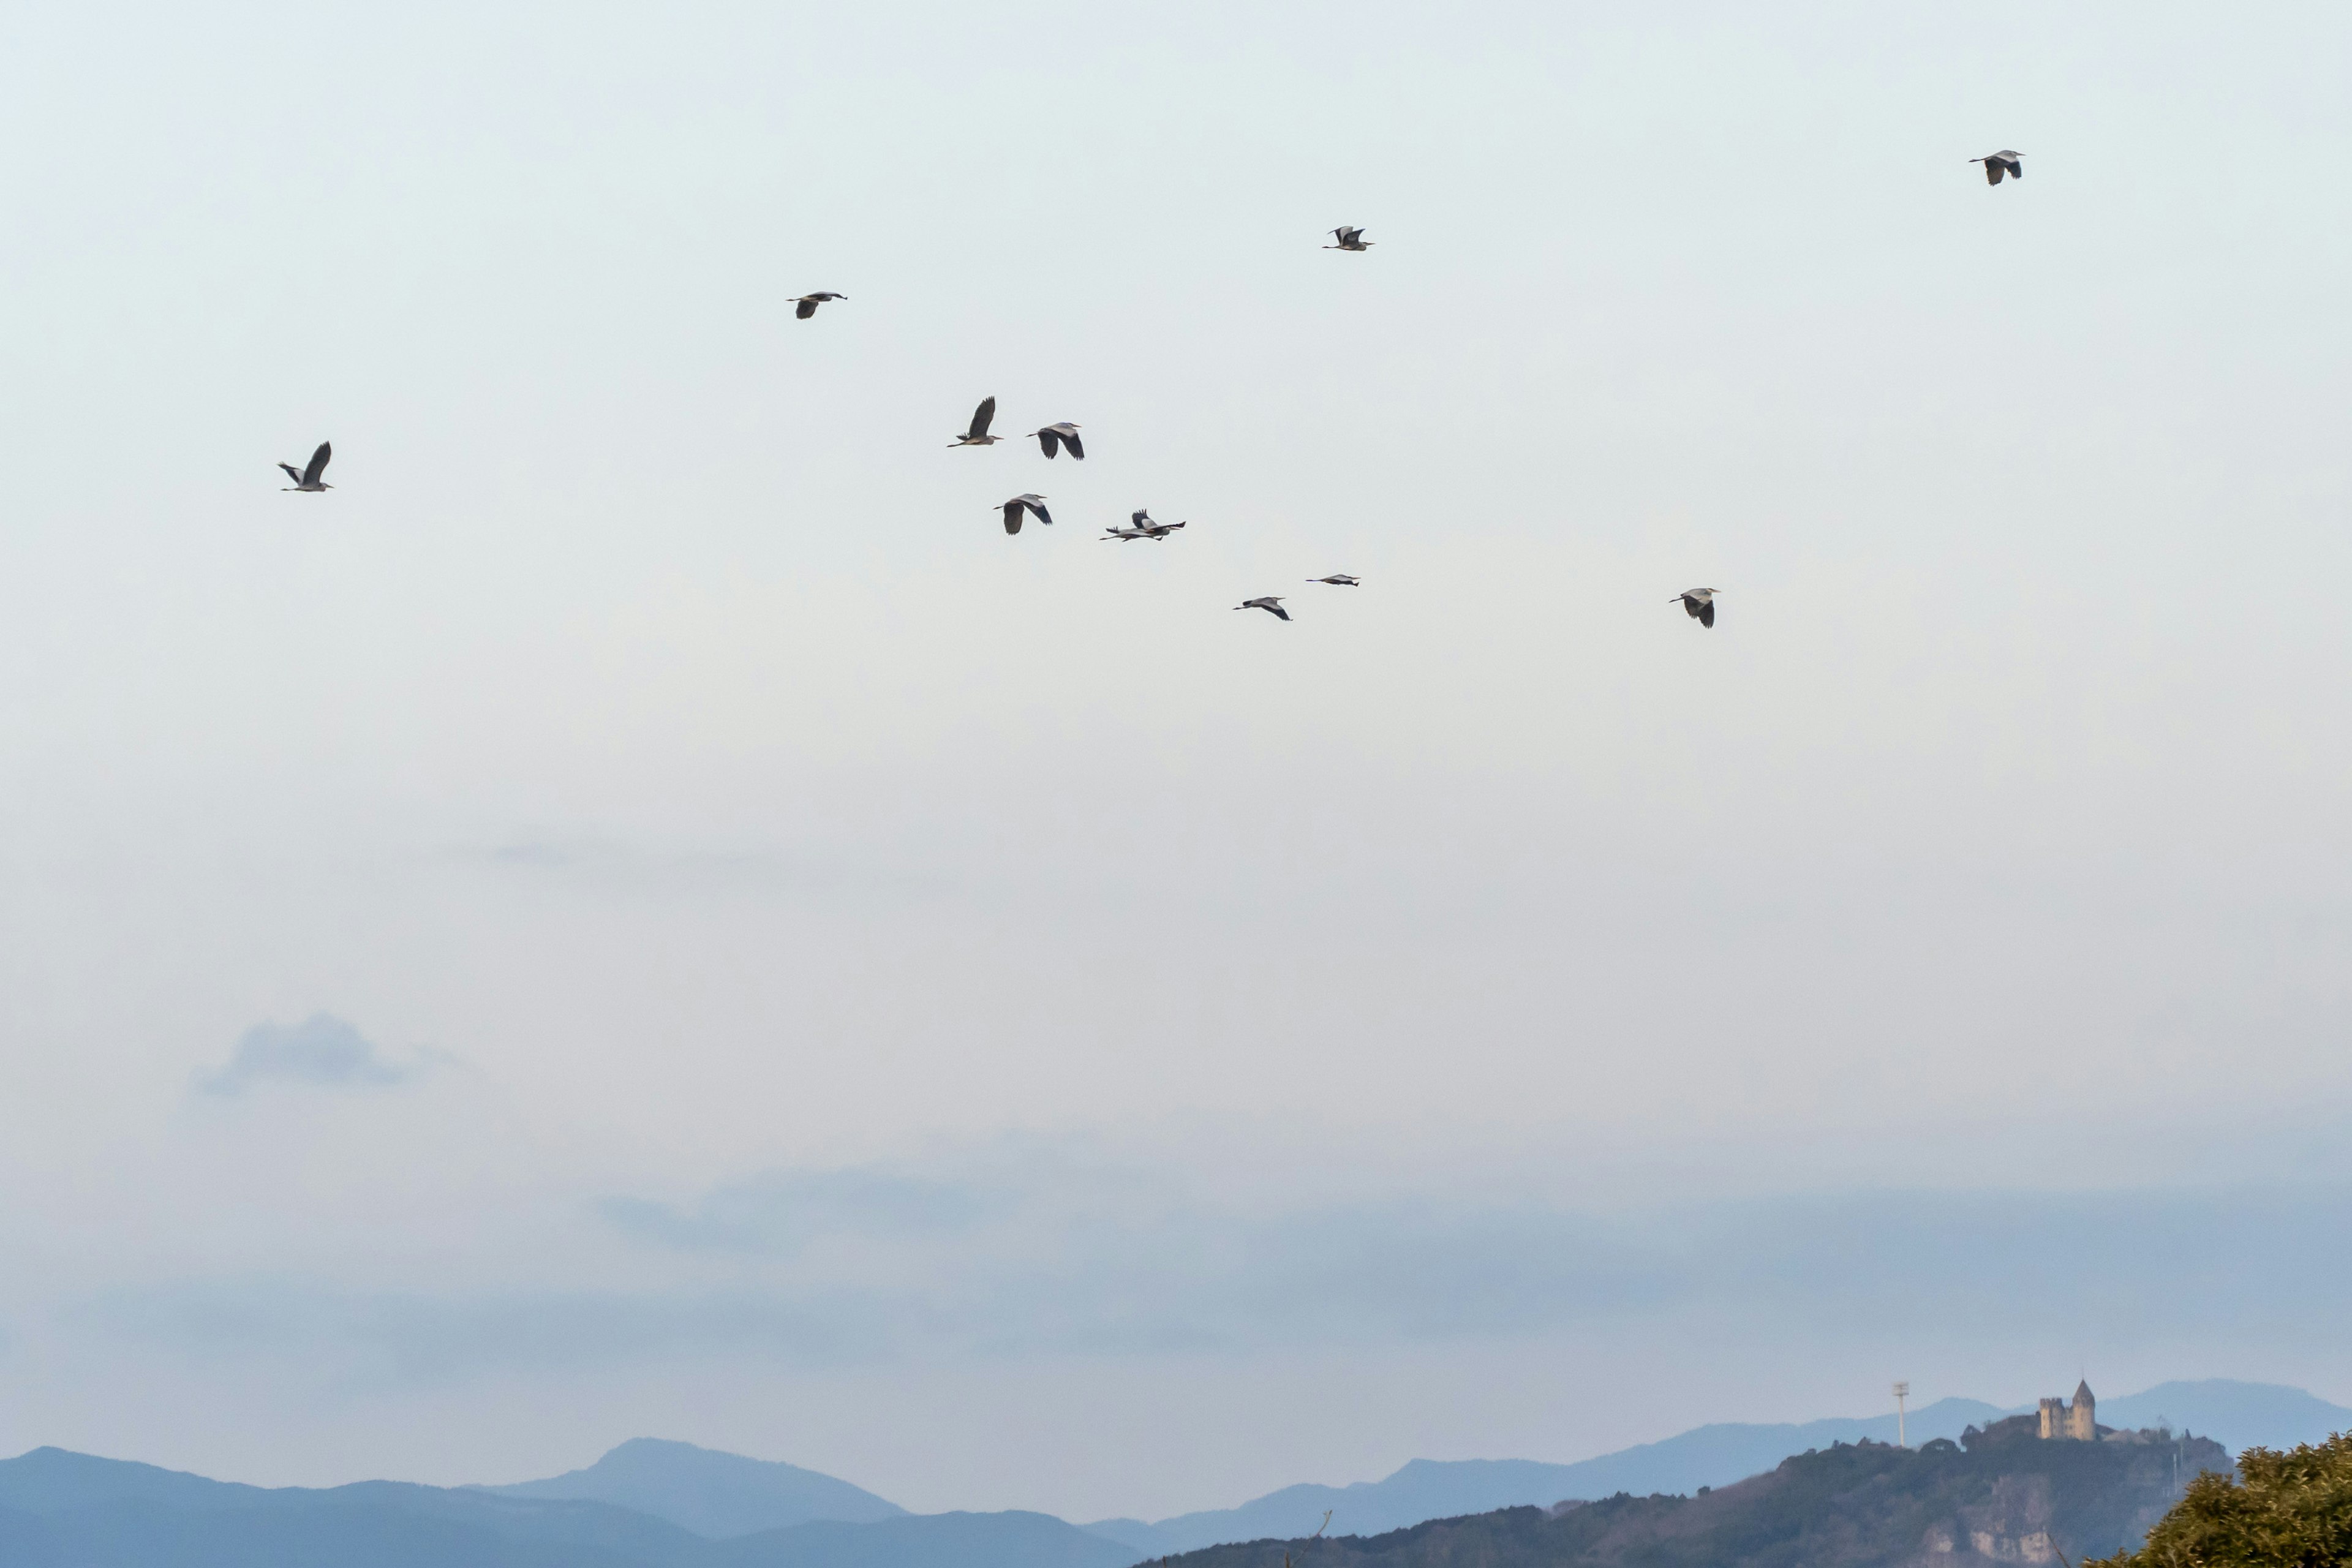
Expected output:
{"points": [[1902, 1392]]}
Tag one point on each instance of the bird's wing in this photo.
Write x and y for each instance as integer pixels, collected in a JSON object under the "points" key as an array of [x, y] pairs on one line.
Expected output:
{"points": [[318, 464], [1077, 448], [981, 418], [1050, 442], [1043, 515], [2017, 168], [1690, 606], [1992, 171], [1278, 610], [292, 472], [1140, 518], [1706, 613], [1013, 517], [807, 309]]}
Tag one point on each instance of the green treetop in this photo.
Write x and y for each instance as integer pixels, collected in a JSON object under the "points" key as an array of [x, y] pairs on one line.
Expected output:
{"points": [[2289, 1511]]}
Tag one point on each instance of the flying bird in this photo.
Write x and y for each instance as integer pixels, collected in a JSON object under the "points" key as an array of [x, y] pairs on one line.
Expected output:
{"points": [[1349, 239], [1037, 504], [1700, 604], [1054, 437], [307, 478], [1141, 525], [809, 303], [1271, 603], [977, 435], [2001, 163], [1337, 579]]}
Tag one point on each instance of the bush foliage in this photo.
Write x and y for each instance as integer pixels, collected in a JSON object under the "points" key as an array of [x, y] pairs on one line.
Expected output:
{"points": [[2290, 1509]]}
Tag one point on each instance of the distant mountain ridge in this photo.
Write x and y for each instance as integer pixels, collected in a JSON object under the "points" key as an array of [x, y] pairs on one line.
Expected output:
{"points": [[652, 1503], [708, 1492], [64, 1509], [1441, 1488], [2007, 1497], [61, 1509], [2237, 1415]]}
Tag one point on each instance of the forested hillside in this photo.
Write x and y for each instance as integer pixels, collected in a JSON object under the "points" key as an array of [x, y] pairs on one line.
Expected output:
{"points": [[2007, 1496]]}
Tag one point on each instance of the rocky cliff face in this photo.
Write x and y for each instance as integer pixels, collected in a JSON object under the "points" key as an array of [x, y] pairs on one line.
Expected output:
{"points": [[2011, 1526], [2139, 1476]]}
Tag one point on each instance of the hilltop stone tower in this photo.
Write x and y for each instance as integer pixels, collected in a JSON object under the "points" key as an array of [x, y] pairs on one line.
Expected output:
{"points": [[2078, 1422]]}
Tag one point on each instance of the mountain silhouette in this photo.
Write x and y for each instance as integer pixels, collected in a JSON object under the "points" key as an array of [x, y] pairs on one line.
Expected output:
{"points": [[2236, 1414], [2007, 1496], [655, 1504], [707, 1491]]}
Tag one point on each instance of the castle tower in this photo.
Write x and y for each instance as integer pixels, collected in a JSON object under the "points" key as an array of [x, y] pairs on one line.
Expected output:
{"points": [[2053, 1418], [2082, 1419]]}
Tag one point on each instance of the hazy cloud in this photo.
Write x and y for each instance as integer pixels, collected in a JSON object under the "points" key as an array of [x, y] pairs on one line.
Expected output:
{"points": [[322, 1051], [621, 866], [415, 1337], [783, 1210], [1033, 1264], [993, 1274]]}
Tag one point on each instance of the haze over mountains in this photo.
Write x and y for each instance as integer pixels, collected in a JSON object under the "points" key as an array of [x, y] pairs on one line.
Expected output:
{"points": [[652, 1503]]}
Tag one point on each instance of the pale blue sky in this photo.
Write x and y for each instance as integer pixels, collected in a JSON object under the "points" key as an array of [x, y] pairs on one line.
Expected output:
{"points": [[1192, 1053]]}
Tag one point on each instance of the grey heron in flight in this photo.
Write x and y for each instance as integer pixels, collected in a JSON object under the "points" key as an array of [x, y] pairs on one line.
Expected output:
{"points": [[1036, 505], [1142, 526], [1349, 239], [977, 435], [809, 303], [1699, 602], [1271, 603], [1054, 437], [2001, 163], [1337, 579], [307, 477]]}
